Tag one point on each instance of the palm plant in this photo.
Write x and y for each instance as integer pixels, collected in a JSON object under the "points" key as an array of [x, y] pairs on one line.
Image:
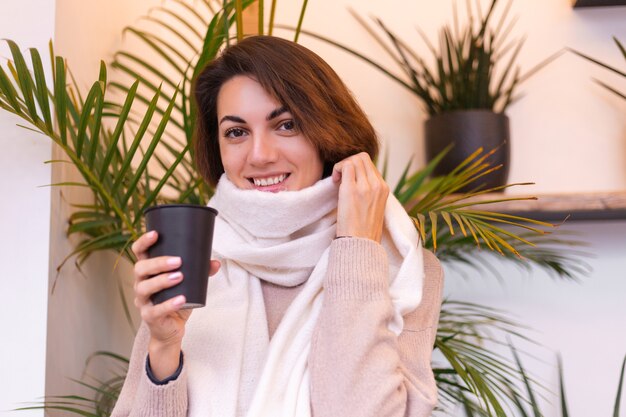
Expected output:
{"points": [[614, 90], [136, 152]]}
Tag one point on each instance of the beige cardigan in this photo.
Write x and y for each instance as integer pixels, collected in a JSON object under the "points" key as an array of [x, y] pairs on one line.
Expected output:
{"points": [[358, 367]]}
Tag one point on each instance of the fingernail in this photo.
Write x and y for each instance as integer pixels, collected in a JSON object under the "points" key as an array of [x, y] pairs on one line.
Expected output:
{"points": [[179, 301], [175, 261], [151, 234], [174, 276]]}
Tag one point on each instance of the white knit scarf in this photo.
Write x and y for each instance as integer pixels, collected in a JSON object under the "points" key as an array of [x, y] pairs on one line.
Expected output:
{"points": [[284, 238]]}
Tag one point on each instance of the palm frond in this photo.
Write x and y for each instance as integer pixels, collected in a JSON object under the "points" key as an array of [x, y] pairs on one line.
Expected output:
{"points": [[559, 254], [620, 386], [521, 405], [484, 382], [613, 90], [115, 169], [530, 391], [92, 148], [452, 224], [563, 399], [104, 392]]}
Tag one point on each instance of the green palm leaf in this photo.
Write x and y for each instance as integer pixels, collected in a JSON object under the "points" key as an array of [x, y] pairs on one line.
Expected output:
{"points": [[486, 383], [452, 224], [93, 149]]}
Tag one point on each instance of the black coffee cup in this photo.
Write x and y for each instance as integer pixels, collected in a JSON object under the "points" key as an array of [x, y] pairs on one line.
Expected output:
{"points": [[185, 230]]}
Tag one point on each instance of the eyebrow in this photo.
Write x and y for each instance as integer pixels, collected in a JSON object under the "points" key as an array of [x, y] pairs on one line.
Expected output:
{"points": [[235, 119], [274, 114]]}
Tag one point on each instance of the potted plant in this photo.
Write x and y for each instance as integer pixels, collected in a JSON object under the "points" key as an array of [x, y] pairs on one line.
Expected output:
{"points": [[91, 132], [465, 91]]}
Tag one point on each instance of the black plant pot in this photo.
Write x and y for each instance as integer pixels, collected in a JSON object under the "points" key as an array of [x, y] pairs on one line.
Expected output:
{"points": [[469, 130], [184, 230]]}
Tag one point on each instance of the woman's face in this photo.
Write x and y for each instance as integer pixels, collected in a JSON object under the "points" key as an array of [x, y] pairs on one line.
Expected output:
{"points": [[260, 145]]}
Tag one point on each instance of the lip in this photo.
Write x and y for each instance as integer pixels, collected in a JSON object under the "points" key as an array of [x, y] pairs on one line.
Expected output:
{"points": [[274, 188], [271, 188]]}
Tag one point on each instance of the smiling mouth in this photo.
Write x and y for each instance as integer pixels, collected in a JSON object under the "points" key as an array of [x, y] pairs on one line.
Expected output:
{"points": [[268, 181]]}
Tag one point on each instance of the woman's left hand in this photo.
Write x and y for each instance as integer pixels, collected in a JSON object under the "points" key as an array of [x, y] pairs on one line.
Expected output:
{"points": [[362, 197]]}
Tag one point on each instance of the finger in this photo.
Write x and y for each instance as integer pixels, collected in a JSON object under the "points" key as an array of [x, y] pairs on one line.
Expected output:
{"points": [[348, 177], [362, 185], [337, 171], [367, 162], [141, 245], [376, 180], [215, 266], [367, 172], [358, 159], [146, 288], [151, 313], [153, 266]]}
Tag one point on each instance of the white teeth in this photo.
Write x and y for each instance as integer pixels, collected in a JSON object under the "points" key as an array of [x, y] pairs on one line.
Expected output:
{"points": [[269, 181]]}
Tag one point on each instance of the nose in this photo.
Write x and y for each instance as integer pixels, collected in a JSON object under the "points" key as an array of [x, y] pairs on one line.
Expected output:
{"points": [[264, 151]]}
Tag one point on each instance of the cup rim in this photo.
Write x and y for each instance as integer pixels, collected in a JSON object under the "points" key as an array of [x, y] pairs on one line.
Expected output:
{"points": [[194, 206]]}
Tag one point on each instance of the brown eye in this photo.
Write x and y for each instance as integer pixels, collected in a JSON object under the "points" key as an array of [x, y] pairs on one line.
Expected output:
{"points": [[288, 125], [235, 132]]}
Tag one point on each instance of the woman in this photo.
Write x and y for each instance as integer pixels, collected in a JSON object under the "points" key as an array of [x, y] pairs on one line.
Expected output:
{"points": [[313, 275]]}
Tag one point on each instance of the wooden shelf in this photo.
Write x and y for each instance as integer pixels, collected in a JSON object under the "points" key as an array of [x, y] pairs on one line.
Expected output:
{"points": [[557, 207], [599, 3]]}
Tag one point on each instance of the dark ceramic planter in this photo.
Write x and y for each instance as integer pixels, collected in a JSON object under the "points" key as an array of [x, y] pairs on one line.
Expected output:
{"points": [[469, 130], [185, 230]]}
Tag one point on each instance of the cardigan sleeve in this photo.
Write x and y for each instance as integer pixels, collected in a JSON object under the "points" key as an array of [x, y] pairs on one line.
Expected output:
{"points": [[358, 366], [140, 397]]}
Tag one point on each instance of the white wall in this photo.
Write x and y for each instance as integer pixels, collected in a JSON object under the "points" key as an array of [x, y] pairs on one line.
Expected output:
{"points": [[24, 231]]}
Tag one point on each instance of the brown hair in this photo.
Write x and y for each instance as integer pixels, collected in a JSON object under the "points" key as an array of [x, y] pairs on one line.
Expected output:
{"points": [[322, 106]]}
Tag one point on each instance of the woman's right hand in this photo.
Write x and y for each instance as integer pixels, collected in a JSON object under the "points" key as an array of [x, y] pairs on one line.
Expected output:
{"points": [[166, 320]]}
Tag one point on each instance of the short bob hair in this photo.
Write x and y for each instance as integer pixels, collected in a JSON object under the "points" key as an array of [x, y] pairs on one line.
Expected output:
{"points": [[322, 106]]}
